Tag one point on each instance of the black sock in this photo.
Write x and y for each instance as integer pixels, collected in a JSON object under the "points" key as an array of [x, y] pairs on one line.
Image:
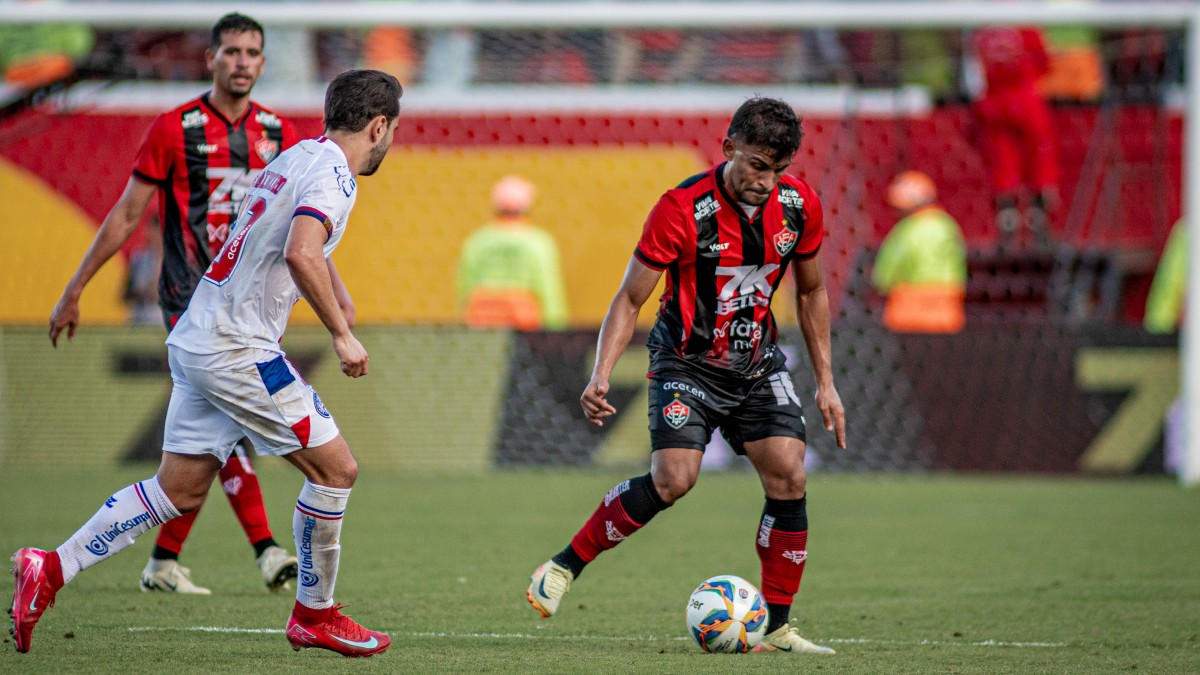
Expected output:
{"points": [[262, 545], [569, 559], [777, 616], [641, 502], [161, 553]]}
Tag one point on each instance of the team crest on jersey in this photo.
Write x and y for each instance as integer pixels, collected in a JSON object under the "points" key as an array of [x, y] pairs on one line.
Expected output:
{"points": [[194, 118], [786, 239], [676, 413], [345, 180], [266, 148]]}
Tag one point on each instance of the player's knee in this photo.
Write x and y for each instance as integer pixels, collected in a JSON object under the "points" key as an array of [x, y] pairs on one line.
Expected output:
{"points": [[186, 500], [790, 485], [341, 474], [672, 485]]}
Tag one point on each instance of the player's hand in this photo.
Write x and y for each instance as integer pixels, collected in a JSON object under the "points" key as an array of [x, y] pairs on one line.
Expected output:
{"points": [[592, 400], [351, 354], [65, 315], [830, 405]]}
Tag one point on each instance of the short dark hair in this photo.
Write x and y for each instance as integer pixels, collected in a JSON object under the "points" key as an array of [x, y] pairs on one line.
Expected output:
{"points": [[234, 23], [767, 123], [356, 97]]}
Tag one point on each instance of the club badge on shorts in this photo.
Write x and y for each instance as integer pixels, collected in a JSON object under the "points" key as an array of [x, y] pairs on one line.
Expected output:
{"points": [[676, 413]]}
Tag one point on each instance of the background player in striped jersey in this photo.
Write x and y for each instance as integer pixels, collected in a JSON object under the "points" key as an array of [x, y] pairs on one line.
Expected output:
{"points": [[725, 238], [200, 159], [231, 379]]}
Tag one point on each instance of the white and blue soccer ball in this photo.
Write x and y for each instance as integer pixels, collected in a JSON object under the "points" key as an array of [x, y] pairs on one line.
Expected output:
{"points": [[726, 614]]}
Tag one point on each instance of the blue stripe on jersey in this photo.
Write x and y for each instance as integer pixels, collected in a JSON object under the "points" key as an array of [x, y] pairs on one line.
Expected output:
{"points": [[275, 374], [310, 212]]}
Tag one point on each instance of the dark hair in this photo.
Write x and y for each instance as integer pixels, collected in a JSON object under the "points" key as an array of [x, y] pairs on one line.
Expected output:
{"points": [[234, 23], [356, 97], [767, 123]]}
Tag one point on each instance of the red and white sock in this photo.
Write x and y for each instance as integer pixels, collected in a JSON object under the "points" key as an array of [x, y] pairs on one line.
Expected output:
{"points": [[242, 488]]}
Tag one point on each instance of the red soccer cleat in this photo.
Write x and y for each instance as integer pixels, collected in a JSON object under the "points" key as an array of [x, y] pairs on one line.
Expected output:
{"points": [[338, 633], [32, 596]]}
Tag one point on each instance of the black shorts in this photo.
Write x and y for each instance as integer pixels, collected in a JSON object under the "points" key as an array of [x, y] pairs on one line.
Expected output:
{"points": [[686, 405]]}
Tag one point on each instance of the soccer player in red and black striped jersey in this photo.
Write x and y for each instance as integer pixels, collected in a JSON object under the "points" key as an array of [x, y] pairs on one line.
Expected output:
{"points": [[725, 238], [200, 159]]}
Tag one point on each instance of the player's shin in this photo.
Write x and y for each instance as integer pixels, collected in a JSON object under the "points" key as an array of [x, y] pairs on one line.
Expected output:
{"points": [[125, 516], [782, 546], [625, 510], [317, 527], [242, 488]]}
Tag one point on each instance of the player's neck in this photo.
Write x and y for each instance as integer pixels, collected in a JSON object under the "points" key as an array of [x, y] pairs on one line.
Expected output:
{"points": [[232, 107], [352, 147]]}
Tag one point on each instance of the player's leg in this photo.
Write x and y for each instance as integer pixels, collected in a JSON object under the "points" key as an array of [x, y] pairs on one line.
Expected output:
{"points": [[683, 411], [769, 428], [330, 472], [625, 509], [163, 571], [124, 516], [242, 489], [782, 538], [284, 416], [181, 485]]}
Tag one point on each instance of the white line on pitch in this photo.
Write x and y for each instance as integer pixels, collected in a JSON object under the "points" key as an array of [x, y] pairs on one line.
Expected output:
{"points": [[606, 638]]}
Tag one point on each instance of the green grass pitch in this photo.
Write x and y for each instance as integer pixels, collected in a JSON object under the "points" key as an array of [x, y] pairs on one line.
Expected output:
{"points": [[933, 574]]}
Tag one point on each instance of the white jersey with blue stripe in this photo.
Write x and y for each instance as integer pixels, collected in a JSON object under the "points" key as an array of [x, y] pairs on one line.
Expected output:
{"points": [[247, 294]]}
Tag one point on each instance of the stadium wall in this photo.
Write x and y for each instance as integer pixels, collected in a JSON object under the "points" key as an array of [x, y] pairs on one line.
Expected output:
{"points": [[598, 174], [1013, 398]]}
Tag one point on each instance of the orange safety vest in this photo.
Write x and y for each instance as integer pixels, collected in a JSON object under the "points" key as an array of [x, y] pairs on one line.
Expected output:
{"points": [[925, 308]]}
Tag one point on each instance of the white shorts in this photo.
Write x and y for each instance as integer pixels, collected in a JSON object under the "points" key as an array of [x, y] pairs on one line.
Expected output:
{"points": [[216, 399]]}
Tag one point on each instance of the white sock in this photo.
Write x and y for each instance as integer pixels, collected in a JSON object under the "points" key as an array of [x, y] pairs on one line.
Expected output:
{"points": [[316, 526], [123, 518]]}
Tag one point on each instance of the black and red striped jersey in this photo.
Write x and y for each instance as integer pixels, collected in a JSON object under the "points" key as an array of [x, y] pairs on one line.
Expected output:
{"points": [[203, 164], [723, 266]]}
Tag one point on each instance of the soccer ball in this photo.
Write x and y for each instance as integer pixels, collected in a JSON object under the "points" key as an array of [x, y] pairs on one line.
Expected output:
{"points": [[727, 614]]}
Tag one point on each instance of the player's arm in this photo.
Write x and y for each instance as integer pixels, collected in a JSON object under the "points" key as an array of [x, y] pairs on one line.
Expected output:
{"points": [[615, 333], [118, 226], [812, 311], [305, 257], [345, 302]]}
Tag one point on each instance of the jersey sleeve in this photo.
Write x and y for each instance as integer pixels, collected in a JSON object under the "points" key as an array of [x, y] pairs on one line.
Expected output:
{"points": [[156, 153], [814, 226], [328, 196], [662, 235]]}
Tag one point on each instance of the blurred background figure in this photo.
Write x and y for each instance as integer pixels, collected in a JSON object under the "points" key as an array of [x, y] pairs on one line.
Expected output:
{"points": [[141, 279], [509, 274], [922, 263], [1017, 130], [1164, 304], [1076, 67], [34, 56]]}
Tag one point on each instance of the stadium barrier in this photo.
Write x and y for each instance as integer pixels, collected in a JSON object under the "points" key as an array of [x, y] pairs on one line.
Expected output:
{"points": [[1011, 398]]}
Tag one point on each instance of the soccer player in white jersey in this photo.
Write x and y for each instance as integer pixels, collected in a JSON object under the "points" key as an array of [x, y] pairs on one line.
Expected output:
{"points": [[231, 378]]}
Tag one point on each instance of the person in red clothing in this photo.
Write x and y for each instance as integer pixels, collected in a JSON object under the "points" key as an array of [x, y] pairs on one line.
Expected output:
{"points": [[200, 159], [725, 239], [1017, 129]]}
